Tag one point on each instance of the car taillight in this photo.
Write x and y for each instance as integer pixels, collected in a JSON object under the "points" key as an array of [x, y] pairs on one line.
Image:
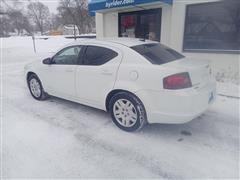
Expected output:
{"points": [[177, 81]]}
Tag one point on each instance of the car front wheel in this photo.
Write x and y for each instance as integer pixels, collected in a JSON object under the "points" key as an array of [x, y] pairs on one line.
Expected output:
{"points": [[35, 87], [127, 112]]}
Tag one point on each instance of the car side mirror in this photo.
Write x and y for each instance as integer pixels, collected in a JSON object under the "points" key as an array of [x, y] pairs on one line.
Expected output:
{"points": [[47, 61]]}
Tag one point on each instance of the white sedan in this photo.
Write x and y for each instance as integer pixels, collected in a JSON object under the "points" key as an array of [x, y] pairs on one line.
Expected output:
{"points": [[137, 81]]}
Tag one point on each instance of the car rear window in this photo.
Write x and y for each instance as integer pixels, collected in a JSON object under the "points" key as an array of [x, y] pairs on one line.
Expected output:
{"points": [[157, 53]]}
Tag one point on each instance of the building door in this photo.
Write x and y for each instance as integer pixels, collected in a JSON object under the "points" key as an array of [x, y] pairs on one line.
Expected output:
{"points": [[145, 24]]}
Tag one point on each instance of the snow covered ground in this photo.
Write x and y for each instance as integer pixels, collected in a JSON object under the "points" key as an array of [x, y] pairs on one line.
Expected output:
{"points": [[61, 139]]}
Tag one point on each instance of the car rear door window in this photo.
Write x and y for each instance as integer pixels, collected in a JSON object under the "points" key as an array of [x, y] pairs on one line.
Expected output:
{"points": [[157, 53], [96, 55], [68, 56]]}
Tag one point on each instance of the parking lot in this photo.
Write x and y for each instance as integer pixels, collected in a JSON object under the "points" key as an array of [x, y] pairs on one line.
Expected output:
{"points": [[61, 139]]}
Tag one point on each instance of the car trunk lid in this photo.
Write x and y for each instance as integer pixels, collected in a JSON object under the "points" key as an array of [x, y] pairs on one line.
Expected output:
{"points": [[199, 70]]}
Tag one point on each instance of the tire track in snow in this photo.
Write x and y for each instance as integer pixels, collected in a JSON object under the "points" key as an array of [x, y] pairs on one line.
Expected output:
{"points": [[85, 138], [147, 162], [87, 141]]}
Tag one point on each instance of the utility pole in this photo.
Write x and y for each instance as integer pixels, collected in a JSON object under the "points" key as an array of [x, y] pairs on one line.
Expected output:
{"points": [[34, 45], [74, 32]]}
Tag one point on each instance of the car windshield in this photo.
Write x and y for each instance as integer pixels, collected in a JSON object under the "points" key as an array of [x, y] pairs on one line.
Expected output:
{"points": [[157, 53]]}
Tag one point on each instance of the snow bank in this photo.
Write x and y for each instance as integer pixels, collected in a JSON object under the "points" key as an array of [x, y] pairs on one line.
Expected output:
{"points": [[228, 89]]}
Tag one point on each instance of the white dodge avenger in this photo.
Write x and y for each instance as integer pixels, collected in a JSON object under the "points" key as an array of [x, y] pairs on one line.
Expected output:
{"points": [[137, 81]]}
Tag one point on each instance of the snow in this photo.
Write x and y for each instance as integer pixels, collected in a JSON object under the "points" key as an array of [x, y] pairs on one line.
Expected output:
{"points": [[228, 89], [61, 139]]}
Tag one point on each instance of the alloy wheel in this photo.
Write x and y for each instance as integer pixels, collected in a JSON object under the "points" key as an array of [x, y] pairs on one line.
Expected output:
{"points": [[35, 87], [125, 113]]}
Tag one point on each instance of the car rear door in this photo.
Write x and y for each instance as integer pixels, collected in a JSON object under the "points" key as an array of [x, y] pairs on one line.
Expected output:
{"points": [[96, 74]]}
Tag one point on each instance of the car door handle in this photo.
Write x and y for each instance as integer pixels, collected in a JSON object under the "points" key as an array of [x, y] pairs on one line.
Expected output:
{"points": [[107, 72]]}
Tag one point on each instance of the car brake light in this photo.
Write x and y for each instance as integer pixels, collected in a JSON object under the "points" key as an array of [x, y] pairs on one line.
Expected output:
{"points": [[177, 81]]}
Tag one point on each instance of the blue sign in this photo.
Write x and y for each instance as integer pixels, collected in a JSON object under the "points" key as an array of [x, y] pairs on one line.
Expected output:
{"points": [[96, 5], [118, 3]]}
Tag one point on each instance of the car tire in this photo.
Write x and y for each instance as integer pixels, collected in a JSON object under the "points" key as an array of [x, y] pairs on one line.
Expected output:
{"points": [[36, 88], [127, 112]]}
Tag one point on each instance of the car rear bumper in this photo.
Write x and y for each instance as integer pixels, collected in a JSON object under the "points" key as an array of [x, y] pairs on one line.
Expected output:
{"points": [[177, 106]]}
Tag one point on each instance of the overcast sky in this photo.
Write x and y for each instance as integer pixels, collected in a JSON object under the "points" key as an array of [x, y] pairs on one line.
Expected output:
{"points": [[52, 4]]}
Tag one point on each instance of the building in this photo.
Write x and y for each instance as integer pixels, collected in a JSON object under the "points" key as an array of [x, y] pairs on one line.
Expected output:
{"points": [[203, 29], [70, 30]]}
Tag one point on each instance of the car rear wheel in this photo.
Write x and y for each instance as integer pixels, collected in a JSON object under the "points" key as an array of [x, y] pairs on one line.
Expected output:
{"points": [[35, 87], [128, 112]]}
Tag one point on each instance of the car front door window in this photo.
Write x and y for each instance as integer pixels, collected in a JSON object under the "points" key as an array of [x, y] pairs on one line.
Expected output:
{"points": [[68, 56]]}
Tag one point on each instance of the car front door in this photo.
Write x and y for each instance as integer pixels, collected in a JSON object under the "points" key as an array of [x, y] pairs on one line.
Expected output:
{"points": [[96, 74], [60, 74]]}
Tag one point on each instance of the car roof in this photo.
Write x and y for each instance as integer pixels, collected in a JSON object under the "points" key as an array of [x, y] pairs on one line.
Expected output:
{"points": [[129, 42]]}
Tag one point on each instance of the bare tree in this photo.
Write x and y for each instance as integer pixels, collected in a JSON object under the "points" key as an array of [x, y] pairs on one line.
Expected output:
{"points": [[55, 21], [39, 14], [76, 12], [13, 18], [19, 22]]}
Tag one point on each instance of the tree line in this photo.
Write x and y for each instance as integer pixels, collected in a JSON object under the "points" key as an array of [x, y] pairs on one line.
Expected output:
{"points": [[15, 16]]}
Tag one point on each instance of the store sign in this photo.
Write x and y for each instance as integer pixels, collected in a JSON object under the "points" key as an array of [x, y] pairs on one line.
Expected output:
{"points": [[117, 3], [100, 5]]}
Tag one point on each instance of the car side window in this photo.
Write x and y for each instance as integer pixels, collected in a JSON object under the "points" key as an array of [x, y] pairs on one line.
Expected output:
{"points": [[95, 55], [68, 56]]}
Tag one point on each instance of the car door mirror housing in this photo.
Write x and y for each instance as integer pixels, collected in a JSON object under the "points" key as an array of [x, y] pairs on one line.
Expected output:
{"points": [[47, 61]]}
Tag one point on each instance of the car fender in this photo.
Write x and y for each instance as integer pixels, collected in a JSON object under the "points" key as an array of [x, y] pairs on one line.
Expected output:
{"points": [[33, 68], [133, 88], [127, 86]]}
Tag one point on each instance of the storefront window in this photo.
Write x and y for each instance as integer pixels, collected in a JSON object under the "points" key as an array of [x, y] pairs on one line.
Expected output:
{"points": [[144, 24], [128, 25], [213, 27]]}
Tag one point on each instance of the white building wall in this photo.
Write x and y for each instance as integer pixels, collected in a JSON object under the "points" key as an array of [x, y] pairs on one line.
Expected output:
{"points": [[225, 66], [99, 25], [166, 25], [107, 24], [111, 24]]}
